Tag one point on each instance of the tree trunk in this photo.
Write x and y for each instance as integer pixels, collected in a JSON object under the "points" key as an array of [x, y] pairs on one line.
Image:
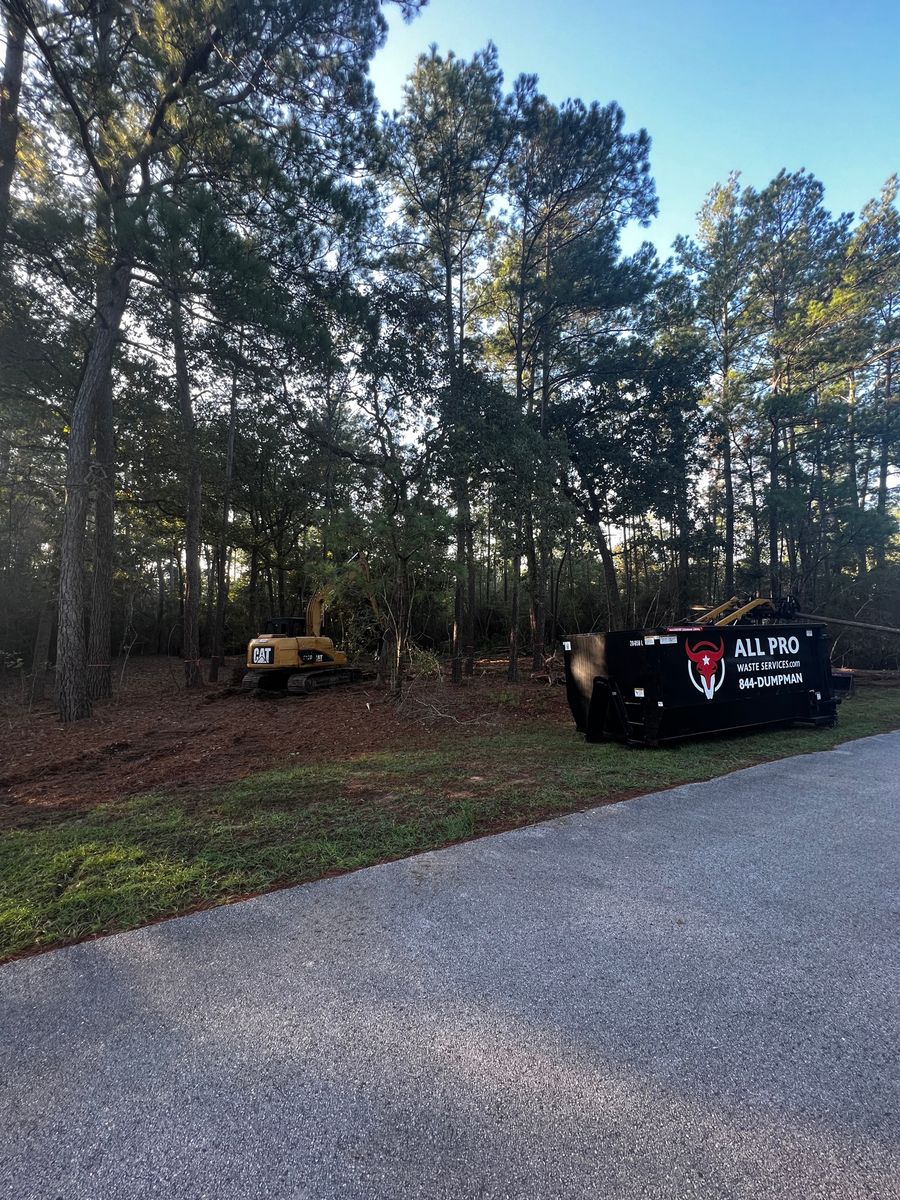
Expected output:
{"points": [[178, 576], [10, 88], [209, 588], [460, 483], [459, 608], [682, 516], [852, 471], [218, 631], [193, 501], [512, 671], [554, 611], [99, 672], [728, 472], [401, 624], [160, 639], [270, 588], [571, 591], [471, 604], [614, 603], [41, 654], [627, 570], [71, 680], [281, 577], [539, 616], [539, 550], [253, 592], [819, 551], [884, 460], [537, 591], [756, 525], [774, 549]]}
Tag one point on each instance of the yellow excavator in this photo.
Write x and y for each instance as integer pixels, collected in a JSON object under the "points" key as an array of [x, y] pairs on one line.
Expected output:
{"points": [[292, 654]]}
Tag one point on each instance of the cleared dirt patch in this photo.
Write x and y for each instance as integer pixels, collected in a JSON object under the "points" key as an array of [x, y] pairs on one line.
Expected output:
{"points": [[156, 736]]}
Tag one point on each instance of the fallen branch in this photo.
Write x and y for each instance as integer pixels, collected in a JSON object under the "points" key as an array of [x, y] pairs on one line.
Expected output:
{"points": [[445, 716]]}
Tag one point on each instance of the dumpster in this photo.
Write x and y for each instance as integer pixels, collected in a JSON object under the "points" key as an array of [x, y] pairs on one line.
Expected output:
{"points": [[648, 686]]}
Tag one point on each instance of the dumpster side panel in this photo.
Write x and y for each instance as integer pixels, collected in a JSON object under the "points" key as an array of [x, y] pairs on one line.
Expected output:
{"points": [[607, 676], [585, 660], [720, 679], [666, 684]]}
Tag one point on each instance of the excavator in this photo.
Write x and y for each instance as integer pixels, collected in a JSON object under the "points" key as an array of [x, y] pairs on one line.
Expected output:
{"points": [[292, 654]]}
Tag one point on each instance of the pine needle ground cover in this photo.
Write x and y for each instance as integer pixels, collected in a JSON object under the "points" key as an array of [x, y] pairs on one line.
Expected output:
{"points": [[125, 863]]}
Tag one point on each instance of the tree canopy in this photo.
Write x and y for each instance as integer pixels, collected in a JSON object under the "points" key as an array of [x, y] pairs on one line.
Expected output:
{"points": [[256, 337]]}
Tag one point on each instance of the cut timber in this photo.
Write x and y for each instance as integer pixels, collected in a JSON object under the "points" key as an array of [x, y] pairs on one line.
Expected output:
{"points": [[850, 624]]}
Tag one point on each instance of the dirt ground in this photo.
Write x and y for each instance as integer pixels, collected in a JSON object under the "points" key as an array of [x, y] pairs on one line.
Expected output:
{"points": [[155, 735]]}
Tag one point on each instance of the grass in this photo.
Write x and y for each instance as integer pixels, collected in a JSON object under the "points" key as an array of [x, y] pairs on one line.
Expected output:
{"points": [[122, 865]]}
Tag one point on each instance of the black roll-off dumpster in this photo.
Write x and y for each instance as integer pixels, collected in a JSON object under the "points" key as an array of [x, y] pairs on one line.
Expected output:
{"points": [[647, 686]]}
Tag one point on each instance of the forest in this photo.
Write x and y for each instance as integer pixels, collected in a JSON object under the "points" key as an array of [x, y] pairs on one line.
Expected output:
{"points": [[259, 337]]}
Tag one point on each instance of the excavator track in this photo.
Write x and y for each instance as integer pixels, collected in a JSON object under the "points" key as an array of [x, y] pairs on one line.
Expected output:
{"points": [[301, 683], [306, 682]]}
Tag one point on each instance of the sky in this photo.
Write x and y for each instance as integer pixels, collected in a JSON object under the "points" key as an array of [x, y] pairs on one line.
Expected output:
{"points": [[720, 85]]}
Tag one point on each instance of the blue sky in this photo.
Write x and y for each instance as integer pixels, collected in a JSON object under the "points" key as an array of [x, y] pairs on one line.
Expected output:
{"points": [[720, 85]]}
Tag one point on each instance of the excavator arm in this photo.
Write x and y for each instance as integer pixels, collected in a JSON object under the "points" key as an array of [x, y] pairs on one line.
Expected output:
{"points": [[315, 613]]}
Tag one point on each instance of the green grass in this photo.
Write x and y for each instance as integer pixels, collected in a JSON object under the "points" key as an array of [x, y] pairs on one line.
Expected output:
{"points": [[122, 865]]}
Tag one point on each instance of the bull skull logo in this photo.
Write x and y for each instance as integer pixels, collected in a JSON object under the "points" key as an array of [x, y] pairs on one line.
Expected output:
{"points": [[706, 669]]}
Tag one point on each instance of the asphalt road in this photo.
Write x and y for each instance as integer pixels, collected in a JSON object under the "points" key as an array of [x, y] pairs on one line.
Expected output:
{"points": [[691, 994]]}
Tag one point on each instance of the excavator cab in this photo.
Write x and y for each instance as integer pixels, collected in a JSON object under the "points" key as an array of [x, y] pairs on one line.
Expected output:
{"points": [[286, 627]]}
